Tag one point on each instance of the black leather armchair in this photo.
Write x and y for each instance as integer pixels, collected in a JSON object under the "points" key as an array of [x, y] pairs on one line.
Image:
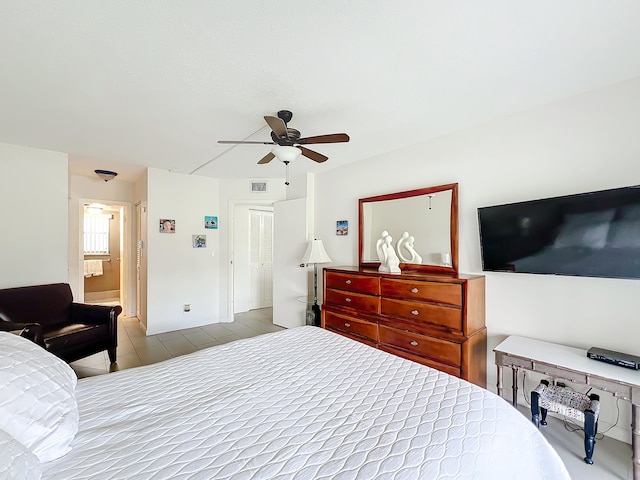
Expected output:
{"points": [[67, 329]]}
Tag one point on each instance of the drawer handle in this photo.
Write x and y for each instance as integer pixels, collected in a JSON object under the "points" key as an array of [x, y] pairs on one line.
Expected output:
{"points": [[348, 300], [414, 343], [348, 282], [414, 290], [347, 325], [415, 312]]}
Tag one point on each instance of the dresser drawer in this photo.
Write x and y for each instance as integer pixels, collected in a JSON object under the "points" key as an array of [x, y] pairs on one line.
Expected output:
{"points": [[447, 317], [441, 350], [364, 341], [352, 283], [353, 326], [449, 293], [455, 371], [365, 303]]}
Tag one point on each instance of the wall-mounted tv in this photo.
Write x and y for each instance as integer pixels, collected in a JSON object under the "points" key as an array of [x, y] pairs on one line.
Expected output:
{"points": [[594, 234]]}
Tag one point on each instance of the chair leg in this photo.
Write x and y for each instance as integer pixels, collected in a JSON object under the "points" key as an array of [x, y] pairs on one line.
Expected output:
{"points": [[589, 435], [535, 409], [543, 411], [112, 354]]}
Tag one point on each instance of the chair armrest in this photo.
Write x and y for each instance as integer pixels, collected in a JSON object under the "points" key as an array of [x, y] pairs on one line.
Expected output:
{"points": [[30, 331], [94, 314], [10, 326], [33, 332]]}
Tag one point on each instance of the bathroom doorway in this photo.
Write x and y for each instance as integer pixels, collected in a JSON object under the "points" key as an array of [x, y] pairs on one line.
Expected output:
{"points": [[104, 236]]}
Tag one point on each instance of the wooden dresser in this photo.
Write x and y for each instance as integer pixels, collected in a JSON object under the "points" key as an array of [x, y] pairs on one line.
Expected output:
{"points": [[434, 319]]}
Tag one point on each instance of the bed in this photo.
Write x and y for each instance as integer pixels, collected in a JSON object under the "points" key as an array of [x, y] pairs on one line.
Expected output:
{"points": [[303, 403]]}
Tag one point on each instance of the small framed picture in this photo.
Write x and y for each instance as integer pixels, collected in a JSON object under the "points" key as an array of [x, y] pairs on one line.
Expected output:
{"points": [[167, 225], [199, 241], [342, 227], [210, 222]]}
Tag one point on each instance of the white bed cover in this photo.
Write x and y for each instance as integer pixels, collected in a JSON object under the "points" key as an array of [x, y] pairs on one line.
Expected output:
{"points": [[305, 404]]}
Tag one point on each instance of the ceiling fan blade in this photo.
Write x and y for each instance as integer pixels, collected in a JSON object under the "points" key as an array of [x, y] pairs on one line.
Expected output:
{"points": [[242, 141], [267, 158], [331, 138], [277, 125], [315, 156]]}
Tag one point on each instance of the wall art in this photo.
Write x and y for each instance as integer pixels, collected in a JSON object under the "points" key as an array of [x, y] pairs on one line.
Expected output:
{"points": [[167, 225], [199, 241], [210, 222]]}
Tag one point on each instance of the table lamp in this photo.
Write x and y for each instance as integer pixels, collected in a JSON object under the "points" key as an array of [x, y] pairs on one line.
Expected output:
{"points": [[315, 254]]}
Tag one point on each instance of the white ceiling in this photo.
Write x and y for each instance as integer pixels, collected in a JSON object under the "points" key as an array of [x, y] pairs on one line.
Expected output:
{"points": [[122, 84]]}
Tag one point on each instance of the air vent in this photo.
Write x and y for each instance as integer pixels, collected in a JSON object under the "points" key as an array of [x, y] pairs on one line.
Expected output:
{"points": [[258, 186]]}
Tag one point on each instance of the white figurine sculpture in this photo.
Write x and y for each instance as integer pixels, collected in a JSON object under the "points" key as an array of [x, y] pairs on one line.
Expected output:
{"points": [[381, 254], [405, 247], [389, 262]]}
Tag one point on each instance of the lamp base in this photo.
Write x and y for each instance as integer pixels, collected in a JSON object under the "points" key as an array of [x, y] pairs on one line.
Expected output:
{"points": [[317, 315]]}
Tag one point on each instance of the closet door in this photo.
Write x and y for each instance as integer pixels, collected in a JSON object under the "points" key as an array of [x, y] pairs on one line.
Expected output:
{"points": [[260, 258]]}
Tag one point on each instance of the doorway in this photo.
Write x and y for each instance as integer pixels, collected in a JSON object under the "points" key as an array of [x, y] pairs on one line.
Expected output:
{"points": [[251, 257], [103, 253], [260, 258]]}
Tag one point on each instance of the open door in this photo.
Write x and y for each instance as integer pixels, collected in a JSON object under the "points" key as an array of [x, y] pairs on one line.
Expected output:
{"points": [[290, 289]]}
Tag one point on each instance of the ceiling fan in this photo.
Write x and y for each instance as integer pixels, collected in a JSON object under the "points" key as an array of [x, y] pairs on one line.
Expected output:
{"points": [[289, 143]]}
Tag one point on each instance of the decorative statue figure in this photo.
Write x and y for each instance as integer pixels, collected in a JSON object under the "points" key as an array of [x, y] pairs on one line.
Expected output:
{"points": [[391, 263], [381, 253], [400, 245], [406, 251]]}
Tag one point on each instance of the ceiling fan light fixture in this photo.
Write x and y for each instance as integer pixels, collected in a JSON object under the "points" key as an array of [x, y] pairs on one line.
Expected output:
{"points": [[106, 175], [286, 154]]}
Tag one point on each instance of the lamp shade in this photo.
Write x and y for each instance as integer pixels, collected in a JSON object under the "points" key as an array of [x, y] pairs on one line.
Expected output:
{"points": [[286, 154], [315, 253]]}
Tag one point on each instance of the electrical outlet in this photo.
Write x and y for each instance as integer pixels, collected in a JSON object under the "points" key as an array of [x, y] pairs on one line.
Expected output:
{"points": [[187, 307]]}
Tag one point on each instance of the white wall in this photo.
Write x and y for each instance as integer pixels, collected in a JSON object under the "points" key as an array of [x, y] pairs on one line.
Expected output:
{"points": [[177, 273], [33, 195], [583, 143], [114, 192]]}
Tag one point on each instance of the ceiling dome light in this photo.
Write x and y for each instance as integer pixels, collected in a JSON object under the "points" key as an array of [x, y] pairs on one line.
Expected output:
{"points": [[286, 154], [106, 175]]}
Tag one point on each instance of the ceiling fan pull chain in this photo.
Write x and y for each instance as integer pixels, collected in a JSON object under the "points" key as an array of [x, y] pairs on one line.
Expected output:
{"points": [[286, 173]]}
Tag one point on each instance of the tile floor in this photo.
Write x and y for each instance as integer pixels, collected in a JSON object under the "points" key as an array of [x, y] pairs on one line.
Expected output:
{"points": [[612, 458], [136, 349]]}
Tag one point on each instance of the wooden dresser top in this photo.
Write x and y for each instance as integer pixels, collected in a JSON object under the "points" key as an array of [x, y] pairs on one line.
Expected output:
{"points": [[406, 274]]}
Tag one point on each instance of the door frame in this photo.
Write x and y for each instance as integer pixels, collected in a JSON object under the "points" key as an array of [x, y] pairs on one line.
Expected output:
{"points": [[127, 303], [232, 246]]}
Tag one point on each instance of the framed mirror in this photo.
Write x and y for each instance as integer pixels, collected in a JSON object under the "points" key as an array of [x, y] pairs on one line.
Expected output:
{"points": [[422, 223]]}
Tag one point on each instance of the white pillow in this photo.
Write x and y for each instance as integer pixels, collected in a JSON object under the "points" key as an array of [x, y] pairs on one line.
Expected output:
{"points": [[16, 462], [38, 404]]}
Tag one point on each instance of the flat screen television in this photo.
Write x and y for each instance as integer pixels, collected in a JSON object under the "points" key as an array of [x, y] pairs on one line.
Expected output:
{"points": [[594, 234]]}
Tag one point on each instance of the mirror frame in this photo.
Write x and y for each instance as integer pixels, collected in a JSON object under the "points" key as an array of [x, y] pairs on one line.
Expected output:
{"points": [[453, 233]]}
